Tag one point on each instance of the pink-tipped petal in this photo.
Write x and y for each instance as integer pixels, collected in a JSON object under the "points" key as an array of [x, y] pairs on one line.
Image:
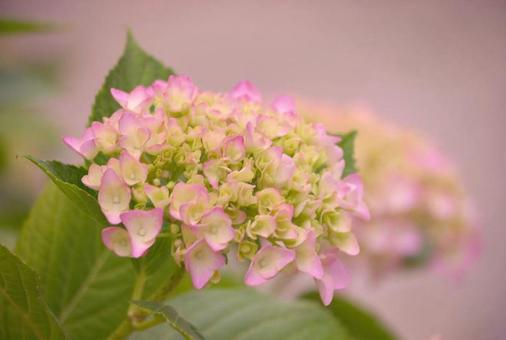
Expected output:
{"points": [[216, 226], [335, 277], [120, 96], [267, 263], [132, 170], [307, 259], [284, 104], [246, 91], [113, 196], [183, 194], [143, 226], [117, 240], [159, 196], [201, 262], [84, 146]]}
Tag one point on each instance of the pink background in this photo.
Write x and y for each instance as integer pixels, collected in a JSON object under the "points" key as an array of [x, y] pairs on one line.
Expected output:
{"points": [[438, 66]]}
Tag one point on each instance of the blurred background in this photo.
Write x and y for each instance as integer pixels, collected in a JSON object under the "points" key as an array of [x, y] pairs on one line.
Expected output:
{"points": [[437, 66]]}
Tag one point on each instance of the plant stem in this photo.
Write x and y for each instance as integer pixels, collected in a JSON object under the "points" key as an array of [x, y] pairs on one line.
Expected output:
{"points": [[123, 330], [164, 292], [135, 316], [126, 327], [156, 320]]}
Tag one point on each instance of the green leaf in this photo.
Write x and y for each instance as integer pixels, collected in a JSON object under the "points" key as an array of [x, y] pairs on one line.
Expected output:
{"points": [[360, 323], [158, 270], [68, 179], [86, 286], [12, 26], [183, 327], [135, 67], [347, 143], [23, 312], [246, 314]]}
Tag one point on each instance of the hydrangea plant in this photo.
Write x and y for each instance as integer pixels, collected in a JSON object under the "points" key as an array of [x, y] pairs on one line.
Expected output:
{"points": [[222, 173], [180, 181], [422, 215]]}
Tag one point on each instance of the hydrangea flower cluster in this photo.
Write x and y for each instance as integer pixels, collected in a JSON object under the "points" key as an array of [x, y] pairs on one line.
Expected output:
{"points": [[214, 170], [421, 214]]}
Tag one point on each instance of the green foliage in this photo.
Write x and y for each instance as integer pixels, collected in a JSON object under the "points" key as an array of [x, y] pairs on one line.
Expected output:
{"points": [[23, 313], [68, 179], [89, 289], [158, 271], [360, 324], [12, 26], [86, 286], [183, 327], [246, 314], [135, 67], [347, 143]]}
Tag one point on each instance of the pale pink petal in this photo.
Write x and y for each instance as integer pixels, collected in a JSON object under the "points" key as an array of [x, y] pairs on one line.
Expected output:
{"points": [[284, 104], [335, 277], [351, 194], [84, 146], [143, 226], [117, 240], [307, 259], [267, 263], [245, 90], [113, 196], [120, 96], [132, 170], [233, 148], [94, 177], [159, 196], [185, 193], [216, 227], [201, 262]]}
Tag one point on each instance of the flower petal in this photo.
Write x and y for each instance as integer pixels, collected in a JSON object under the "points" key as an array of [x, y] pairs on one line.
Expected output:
{"points": [[117, 240], [113, 196], [132, 170], [216, 227], [201, 262], [185, 193], [335, 277], [245, 90], [143, 226], [159, 196], [267, 263], [307, 259]]}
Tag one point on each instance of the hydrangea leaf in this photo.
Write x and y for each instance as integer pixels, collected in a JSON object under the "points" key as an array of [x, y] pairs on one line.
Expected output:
{"points": [[159, 269], [242, 313], [135, 67], [68, 179], [183, 327], [347, 143], [23, 312], [86, 286], [360, 323]]}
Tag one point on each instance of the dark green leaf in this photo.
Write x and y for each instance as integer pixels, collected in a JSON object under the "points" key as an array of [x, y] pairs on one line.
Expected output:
{"points": [[243, 313], [23, 312], [360, 324], [183, 327], [86, 286], [347, 143], [135, 67], [158, 270], [68, 179]]}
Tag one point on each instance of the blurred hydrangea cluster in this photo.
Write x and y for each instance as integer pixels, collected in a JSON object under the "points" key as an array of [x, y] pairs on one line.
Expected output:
{"points": [[421, 214], [222, 173]]}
